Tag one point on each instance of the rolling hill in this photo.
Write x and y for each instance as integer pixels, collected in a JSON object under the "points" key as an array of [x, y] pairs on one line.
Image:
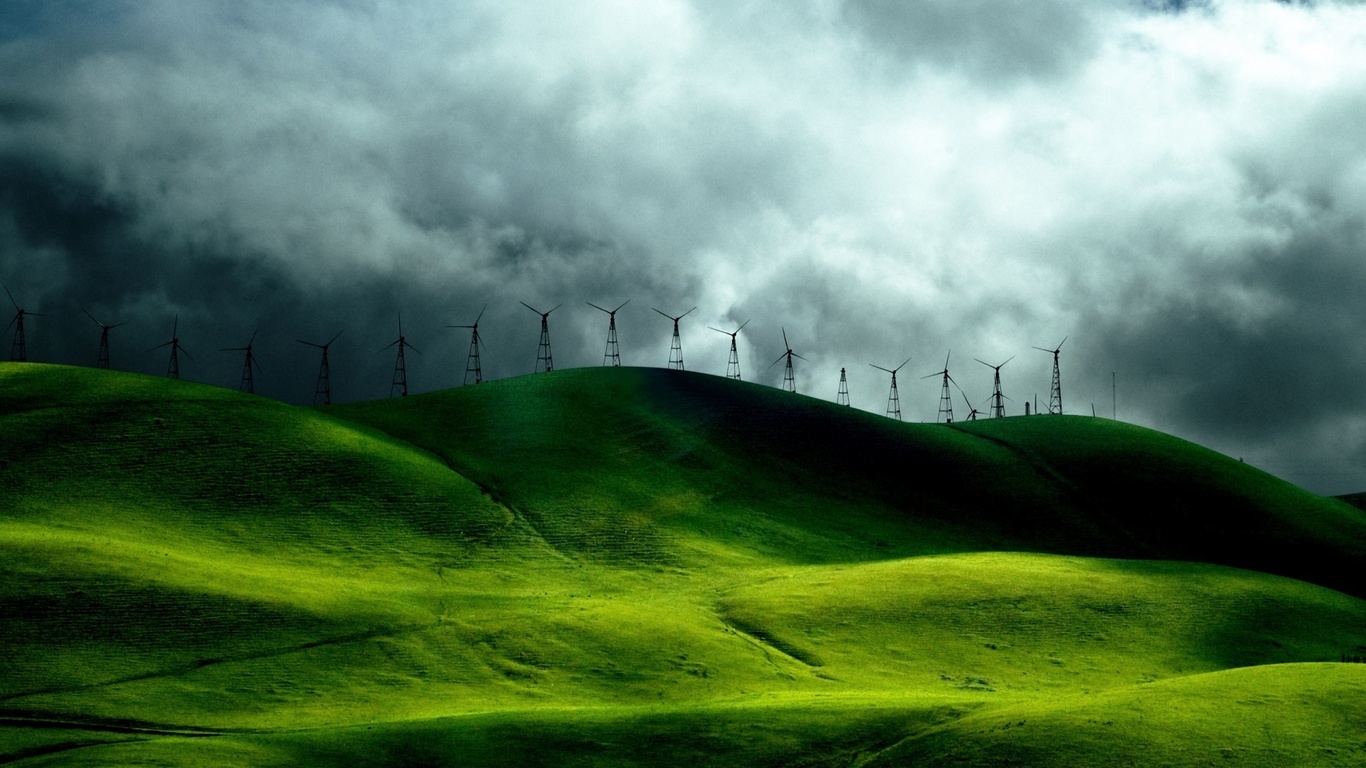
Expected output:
{"points": [[641, 566]]}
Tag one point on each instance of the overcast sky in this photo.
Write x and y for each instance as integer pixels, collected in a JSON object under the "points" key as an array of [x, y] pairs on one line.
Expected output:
{"points": [[1176, 188]]}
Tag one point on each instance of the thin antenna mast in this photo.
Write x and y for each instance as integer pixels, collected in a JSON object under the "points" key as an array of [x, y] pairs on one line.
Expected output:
{"points": [[611, 353], [472, 364], [789, 381], [247, 384], [676, 346], [323, 388], [544, 362], [842, 397], [400, 380], [733, 365], [893, 397], [19, 349], [103, 360], [945, 400], [997, 408], [1055, 392], [173, 367]]}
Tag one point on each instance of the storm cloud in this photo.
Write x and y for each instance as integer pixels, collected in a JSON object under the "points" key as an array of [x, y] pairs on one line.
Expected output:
{"points": [[1178, 189]]}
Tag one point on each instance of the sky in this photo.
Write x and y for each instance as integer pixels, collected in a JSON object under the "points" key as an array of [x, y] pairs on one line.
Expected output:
{"points": [[1178, 189]]}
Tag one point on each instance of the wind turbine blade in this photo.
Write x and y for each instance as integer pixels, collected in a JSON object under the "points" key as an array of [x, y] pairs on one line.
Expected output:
{"points": [[595, 306], [557, 306], [779, 360], [742, 326], [528, 306], [1041, 349], [1064, 341], [14, 319], [334, 338], [481, 315], [92, 317], [689, 312], [718, 330], [153, 349], [186, 351], [309, 343], [386, 346], [1008, 359], [983, 362], [668, 316], [11, 298], [903, 365], [116, 325], [785, 344], [799, 357], [415, 349], [624, 303]]}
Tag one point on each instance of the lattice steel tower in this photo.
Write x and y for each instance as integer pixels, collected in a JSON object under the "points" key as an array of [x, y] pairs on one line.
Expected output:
{"points": [[173, 367], [544, 361], [323, 388], [893, 397], [732, 365], [399, 382], [945, 399], [103, 360], [1055, 391], [472, 363], [611, 354], [19, 348], [997, 409], [842, 397], [247, 384], [676, 346], [789, 380]]}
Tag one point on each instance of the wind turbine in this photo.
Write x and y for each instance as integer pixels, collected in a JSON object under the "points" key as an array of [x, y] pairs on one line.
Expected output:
{"points": [[324, 385], [945, 400], [676, 348], [842, 396], [893, 397], [472, 364], [972, 410], [400, 380], [173, 368], [247, 383], [997, 407], [733, 366], [1055, 392], [543, 358], [19, 349], [103, 360], [789, 381], [611, 352]]}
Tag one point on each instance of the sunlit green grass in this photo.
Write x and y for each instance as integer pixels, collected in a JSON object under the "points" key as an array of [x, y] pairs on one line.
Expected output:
{"points": [[634, 566]]}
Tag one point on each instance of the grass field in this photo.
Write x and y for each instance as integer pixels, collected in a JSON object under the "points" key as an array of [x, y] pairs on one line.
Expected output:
{"points": [[646, 567]]}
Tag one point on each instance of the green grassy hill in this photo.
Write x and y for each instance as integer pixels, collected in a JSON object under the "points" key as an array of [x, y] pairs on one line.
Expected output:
{"points": [[639, 566]]}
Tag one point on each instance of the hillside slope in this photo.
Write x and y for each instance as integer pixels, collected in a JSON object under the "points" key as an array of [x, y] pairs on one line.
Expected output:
{"points": [[637, 566], [651, 464]]}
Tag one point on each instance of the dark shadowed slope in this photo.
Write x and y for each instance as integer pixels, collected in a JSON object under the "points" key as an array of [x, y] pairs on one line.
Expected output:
{"points": [[654, 464]]}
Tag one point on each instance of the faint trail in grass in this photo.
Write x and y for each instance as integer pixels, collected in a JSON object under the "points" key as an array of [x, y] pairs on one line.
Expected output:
{"points": [[233, 658], [54, 749]]}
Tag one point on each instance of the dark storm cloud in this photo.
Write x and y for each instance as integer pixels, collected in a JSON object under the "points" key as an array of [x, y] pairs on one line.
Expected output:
{"points": [[1174, 188], [986, 40]]}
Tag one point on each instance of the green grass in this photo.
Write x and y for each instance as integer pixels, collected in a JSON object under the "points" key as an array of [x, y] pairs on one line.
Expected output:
{"points": [[637, 566]]}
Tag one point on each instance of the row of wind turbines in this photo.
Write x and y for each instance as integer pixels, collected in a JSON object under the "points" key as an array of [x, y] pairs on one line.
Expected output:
{"points": [[545, 360]]}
